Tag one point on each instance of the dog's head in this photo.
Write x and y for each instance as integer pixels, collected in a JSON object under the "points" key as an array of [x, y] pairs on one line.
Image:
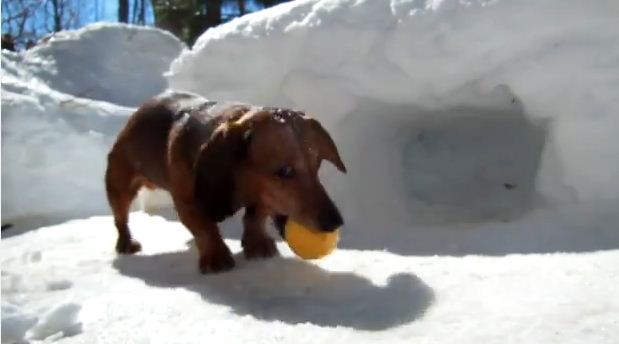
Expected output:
{"points": [[269, 159]]}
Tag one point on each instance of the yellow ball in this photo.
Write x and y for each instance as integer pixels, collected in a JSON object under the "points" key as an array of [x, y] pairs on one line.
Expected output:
{"points": [[308, 243]]}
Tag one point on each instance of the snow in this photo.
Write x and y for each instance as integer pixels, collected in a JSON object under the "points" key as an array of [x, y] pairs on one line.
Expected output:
{"points": [[61, 320], [54, 146], [47, 112], [121, 64], [480, 203], [356, 296], [15, 323], [17, 326], [532, 83]]}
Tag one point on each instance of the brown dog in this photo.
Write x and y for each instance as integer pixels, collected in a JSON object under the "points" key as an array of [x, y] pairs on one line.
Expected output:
{"points": [[215, 159]]}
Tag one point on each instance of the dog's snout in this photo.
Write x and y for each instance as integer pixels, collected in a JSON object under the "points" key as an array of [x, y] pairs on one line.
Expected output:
{"points": [[330, 219]]}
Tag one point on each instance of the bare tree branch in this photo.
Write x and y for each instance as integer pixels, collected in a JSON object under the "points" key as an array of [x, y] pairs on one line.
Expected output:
{"points": [[28, 20]]}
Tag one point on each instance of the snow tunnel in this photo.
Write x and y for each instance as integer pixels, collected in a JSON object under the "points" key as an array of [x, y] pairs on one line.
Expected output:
{"points": [[455, 163]]}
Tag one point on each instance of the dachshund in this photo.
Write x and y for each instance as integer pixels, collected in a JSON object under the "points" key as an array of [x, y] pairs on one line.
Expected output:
{"points": [[216, 158]]}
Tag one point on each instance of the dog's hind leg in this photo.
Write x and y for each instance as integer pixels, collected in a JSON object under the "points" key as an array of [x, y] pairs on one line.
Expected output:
{"points": [[122, 186]]}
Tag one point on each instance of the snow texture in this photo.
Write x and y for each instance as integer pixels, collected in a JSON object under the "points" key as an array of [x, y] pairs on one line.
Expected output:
{"points": [[15, 322], [351, 296], [54, 148], [60, 114], [480, 204], [444, 111], [121, 64], [60, 320], [457, 124]]}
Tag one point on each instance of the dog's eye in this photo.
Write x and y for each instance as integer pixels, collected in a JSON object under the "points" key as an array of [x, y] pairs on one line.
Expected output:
{"points": [[285, 172]]}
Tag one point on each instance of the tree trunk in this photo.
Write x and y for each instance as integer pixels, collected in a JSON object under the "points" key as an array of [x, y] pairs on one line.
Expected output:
{"points": [[213, 12], [56, 7], [241, 4], [134, 19], [142, 17], [123, 11]]}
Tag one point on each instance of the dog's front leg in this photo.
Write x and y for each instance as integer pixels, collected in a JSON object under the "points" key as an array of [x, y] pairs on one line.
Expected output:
{"points": [[256, 242], [215, 256]]}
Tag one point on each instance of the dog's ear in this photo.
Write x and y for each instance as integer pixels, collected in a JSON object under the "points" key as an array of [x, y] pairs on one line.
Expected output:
{"points": [[320, 139], [215, 168]]}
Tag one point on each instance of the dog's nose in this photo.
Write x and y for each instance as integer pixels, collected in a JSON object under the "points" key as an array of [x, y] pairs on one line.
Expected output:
{"points": [[330, 219]]}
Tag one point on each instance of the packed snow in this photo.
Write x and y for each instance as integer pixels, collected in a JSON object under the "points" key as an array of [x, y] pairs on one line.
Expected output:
{"points": [[62, 106], [480, 203], [54, 148], [351, 296], [452, 100], [117, 63]]}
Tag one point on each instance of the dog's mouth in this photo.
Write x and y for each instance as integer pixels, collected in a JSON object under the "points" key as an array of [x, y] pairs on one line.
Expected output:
{"points": [[280, 223]]}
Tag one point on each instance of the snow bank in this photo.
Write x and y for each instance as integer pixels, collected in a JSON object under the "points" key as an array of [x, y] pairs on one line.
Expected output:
{"points": [[61, 113], [122, 64], [54, 148], [443, 110]]}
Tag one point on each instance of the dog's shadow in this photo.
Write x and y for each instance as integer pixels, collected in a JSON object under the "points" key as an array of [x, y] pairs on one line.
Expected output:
{"points": [[289, 290]]}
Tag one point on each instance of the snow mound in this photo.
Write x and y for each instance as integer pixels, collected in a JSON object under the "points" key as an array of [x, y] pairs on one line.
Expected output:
{"points": [[443, 111], [54, 148], [122, 64], [60, 115]]}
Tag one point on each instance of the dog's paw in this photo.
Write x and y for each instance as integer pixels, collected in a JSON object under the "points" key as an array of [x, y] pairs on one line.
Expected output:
{"points": [[260, 249], [129, 246], [214, 263]]}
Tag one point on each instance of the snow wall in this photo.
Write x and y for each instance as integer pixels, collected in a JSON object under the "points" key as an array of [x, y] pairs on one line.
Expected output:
{"points": [[444, 111]]}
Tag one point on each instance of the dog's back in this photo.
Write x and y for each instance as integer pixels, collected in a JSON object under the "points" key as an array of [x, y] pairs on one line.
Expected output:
{"points": [[144, 142]]}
